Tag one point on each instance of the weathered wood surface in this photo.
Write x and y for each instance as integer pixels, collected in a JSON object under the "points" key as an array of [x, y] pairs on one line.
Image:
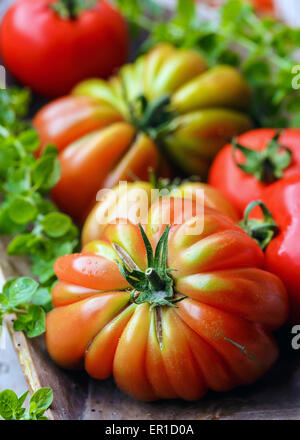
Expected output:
{"points": [[276, 396]]}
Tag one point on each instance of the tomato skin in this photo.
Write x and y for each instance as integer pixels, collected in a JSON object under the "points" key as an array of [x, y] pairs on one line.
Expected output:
{"points": [[105, 146], [237, 186], [117, 200], [123, 199], [282, 255], [99, 310], [212, 197], [50, 54], [218, 337], [67, 119], [104, 158], [264, 5]]}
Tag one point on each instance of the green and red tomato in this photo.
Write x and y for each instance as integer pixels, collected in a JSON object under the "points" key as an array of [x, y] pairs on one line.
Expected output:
{"points": [[195, 315]]}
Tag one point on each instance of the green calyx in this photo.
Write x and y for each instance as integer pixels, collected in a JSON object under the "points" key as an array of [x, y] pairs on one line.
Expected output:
{"points": [[154, 118], [169, 185], [262, 231], [71, 9], [163, 183], [268, 165], [154, 285]]}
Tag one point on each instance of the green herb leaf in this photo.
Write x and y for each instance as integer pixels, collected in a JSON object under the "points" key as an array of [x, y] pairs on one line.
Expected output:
{"points": [[3, 300], [43, 269], [29, 140], [41, 399], [22, 297], [33, 322], [42, 297], [22, 210], [14, 104], [21, 290], [56, 224], [22, 398], [46, 172], [11, 407], [21, 244], [8, 404], [186, 10]]}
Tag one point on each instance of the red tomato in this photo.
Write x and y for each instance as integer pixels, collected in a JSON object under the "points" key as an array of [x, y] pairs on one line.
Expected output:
{"points": [[51, 54], [282, 255], [264, 5], [264, 165], [161, 333]]}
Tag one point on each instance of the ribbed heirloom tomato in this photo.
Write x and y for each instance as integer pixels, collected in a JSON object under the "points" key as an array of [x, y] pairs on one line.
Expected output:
{"points": [[132, 200], [167, 102], [196, 314]]}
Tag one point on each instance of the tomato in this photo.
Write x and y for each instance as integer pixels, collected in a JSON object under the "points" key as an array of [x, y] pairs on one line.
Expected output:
{"points": [[132, 200], [282, 253], [172, 110], [100, 160], [243, 171], [51, 45], [162, 333], [189, 109], [264, 5], [71, 118]]}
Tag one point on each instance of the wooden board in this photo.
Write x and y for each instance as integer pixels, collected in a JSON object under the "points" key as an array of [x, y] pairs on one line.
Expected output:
{"points": [[76, 396]]}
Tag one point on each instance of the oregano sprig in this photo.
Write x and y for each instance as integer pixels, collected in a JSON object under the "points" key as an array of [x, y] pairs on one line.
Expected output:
{"points": [[12, 406], [14, 105], [38, 229], [23, 298]]}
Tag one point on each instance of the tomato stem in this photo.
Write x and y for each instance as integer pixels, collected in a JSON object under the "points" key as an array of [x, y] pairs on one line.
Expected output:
{"points": [[163, 183], [266, 166], [153, 118], [154, 285], [262, 231], [71, 9], [155, 280]]}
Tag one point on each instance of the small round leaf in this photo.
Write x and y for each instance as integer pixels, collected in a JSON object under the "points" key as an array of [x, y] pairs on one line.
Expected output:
{"points": [[22, 211], [56, 224]]}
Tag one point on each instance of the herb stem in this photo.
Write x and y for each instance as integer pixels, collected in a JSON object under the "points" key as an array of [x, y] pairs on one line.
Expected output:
{"points": [[19, 311]]}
